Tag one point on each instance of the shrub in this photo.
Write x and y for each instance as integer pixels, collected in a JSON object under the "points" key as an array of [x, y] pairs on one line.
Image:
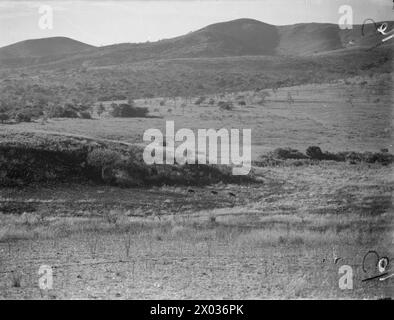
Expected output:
{"points": [[128, 111], [314, 152], [104, 160], [85, 115], [225, 105], [69, 111], [384, 158], [340, 156], [23, 117], [162, 103], [354, 157], [369, 157], [66, 111], [132, 171], [200, 100], [4, 117]]}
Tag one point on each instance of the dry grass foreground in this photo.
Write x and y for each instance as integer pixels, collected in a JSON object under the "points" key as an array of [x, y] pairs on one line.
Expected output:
{"points": [[276, 239]]}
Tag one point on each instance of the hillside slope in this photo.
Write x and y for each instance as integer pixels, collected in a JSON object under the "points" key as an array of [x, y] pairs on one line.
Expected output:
{"points": [[241, 37], [314, 38], [308, 38]]}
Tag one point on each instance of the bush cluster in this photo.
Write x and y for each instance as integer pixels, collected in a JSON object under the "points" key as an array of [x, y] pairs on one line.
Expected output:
{"points": [[225, 105], [316, 154], [125, 110]]}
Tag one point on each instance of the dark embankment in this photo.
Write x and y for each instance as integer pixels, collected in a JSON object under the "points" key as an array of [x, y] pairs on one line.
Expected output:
{"points": [[28, 158]]}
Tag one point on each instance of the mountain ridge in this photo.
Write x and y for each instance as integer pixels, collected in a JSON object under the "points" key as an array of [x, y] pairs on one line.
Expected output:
{"points": [[240, 37]]}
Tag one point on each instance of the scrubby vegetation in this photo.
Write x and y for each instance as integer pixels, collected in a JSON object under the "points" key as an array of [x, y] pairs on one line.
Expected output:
{"points": [[128, 110], [35, 90], [314, 153]]}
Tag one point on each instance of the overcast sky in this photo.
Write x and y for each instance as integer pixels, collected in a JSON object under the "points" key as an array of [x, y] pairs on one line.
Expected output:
{"points": [[108, 22]]}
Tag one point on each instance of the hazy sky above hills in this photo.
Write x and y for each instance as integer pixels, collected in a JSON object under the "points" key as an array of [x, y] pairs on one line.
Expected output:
{"points": [[109, 22]]}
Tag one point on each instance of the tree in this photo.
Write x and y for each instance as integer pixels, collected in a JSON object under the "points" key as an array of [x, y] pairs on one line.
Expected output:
{"points": [[314, 152]]}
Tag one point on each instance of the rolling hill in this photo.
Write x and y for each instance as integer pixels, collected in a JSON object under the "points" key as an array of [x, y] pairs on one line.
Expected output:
{"points": [[242, 37], [232, 38], [37, 48]]}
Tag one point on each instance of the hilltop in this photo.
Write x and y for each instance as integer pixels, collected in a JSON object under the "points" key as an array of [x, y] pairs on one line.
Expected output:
{"points": [[45, 47]]}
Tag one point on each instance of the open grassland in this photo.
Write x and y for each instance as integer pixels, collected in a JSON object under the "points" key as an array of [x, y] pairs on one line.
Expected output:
{"points": [[275, 239], [353, 115]]}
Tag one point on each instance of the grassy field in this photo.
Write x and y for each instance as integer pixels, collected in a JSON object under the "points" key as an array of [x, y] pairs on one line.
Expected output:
{"points": [[276, 238], [337, 117]]}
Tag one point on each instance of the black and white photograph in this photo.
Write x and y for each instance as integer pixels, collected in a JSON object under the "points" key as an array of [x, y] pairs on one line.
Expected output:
{"points": [[189, 150]]}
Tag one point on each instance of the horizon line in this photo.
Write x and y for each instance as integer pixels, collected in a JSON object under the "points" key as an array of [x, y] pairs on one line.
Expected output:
{"points": [[147, 41]]}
